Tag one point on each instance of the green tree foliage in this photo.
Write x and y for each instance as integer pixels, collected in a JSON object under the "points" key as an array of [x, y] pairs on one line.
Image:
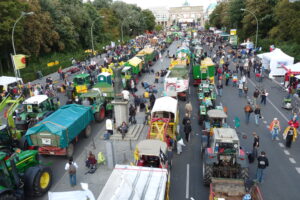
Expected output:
{"points": [[278, 21], [158, 27], [63, 26]]}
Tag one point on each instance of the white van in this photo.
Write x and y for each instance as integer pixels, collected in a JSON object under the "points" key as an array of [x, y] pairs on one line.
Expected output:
{"points": [[8, 81]]}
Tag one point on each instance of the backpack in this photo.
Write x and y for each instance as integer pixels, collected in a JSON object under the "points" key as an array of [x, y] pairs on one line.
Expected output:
{"points": [[72, 169]]}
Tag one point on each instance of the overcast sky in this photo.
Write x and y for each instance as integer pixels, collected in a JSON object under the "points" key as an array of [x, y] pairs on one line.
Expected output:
{"points": [[167, 3]]}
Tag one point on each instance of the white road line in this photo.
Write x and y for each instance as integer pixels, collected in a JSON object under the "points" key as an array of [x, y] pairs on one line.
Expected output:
{"points": [[284, 117], [292, 160], [298, 169], [277, 138], [280, 144], [262, 117], [265, 122], [217, 92], [286, 152], [187, 189], [267, 126]]}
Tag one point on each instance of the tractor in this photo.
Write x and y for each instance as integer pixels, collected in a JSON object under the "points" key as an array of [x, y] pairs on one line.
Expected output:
{"points": [[35, 109], [222, 156], [207, 98], [22, 175]]}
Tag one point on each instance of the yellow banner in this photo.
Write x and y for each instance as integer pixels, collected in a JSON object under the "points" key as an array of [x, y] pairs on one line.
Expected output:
{"points": [[51, 64], [81, 89], [19, 61]]}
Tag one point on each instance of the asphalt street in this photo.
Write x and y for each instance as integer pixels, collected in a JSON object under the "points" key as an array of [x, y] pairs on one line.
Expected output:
{"points": [[283, 173], [281, 176]]}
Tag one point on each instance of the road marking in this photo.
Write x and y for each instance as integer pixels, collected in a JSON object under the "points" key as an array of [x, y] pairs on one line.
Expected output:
{"points": [[284, 117], [217, 92], [286, 152], [268, 126], [265, 122], [298, 169], [292, 160], [187, 189], [277, 138], [280, 144], [262, 117]]}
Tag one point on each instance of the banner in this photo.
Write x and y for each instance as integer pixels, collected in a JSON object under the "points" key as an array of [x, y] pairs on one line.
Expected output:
{"points": [[51, 64], [19, 61]]}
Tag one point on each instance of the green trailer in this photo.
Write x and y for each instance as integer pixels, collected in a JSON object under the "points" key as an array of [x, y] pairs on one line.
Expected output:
{"points": [[136, 65], [147, 55], [57, 134], [204, 71]]}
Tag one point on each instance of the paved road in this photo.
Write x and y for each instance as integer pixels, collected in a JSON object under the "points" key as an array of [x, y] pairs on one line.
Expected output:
{"points": [[284, 171]]}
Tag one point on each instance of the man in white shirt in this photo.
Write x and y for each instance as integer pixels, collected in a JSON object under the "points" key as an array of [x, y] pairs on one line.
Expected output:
{"points": [[126, 94], [71, 167]]}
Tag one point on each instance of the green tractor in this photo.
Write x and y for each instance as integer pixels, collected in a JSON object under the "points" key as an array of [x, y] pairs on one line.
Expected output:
{"points": [[7, 140], [207, 98], [22, 175], [35, 109], [81, 83], [94, 99]]}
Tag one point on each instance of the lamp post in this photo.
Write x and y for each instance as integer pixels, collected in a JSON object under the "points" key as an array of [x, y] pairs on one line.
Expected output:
{"points": [[92, 35], [242, 9], [23, 14], [122, 28]]}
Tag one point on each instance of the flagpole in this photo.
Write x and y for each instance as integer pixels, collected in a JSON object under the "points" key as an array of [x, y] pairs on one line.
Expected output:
{"points": [[13, 62]]}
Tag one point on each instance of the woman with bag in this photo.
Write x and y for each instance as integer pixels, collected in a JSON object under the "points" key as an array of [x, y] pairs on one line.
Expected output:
{"points": [[275, 128]]}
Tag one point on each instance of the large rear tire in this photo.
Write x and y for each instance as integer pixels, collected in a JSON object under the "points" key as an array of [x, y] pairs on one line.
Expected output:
{"points": [[87, 131], [38, 180], [99, 116], [245, 173], [207, 174], [70, 150], [8, 196]]}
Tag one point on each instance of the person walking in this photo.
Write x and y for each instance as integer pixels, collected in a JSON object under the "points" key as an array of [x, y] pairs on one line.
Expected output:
{"points": [[189, 109], [262, 164], [257, 114], [71, 167], [248, 110], [255, 96], [152, 100], [220, 89], [132, 113], [234, 80], [274, 128], [264, 95], [179, 144], [187, 130], [185, 119], [255, 145], [240, 88], [290, 135]]}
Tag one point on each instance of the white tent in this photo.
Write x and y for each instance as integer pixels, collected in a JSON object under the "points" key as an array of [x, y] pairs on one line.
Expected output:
{"points": [[275, 62], [294, 67]]}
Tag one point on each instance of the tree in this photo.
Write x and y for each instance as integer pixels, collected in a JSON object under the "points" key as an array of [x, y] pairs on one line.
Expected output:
{"points": [[158, 27], [149, 19]]}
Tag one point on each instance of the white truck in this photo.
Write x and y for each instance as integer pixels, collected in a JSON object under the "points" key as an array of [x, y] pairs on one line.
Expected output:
{"points": [[135, 182]]}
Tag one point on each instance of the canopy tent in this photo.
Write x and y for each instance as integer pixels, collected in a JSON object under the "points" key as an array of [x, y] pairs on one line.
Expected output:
{"points": [[135, 61], [275, 62], [294, 69], [167, 104]]}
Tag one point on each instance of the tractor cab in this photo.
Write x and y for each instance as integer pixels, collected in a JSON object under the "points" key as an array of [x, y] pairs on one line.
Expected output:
{"points": [[82, 83], [151, 153], [35, 108], [216, 118], [7, 83], [225, 141]]}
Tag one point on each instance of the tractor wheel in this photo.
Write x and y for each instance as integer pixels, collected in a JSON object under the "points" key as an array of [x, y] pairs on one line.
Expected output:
{"points": [[70, 150], [8, 196], [38, 180], [87, 131], [99, 116], [245, 173], [207, 174]]}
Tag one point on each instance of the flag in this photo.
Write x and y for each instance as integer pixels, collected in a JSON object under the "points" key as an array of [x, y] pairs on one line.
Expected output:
{"points": [[19, 61]]}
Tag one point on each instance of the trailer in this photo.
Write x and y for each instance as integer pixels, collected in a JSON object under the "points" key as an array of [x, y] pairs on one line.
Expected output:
{"points": [[233, 189], [57, 134], [133, 182]]}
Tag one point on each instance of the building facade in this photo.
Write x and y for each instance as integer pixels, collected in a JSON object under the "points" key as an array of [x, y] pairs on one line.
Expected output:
{"points": [[186, 15], [161, 15]]}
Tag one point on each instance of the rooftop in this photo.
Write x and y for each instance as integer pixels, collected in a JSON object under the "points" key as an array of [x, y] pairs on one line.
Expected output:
{"points": [[36, 99]]}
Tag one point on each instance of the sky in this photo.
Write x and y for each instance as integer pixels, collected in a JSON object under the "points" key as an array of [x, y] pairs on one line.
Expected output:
{"points": [[167, 3]]}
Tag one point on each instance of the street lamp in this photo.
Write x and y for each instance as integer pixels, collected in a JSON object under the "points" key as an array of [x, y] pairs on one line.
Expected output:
{"points": [[122, 27], [92, 36], [242, 9], [23, 14]]}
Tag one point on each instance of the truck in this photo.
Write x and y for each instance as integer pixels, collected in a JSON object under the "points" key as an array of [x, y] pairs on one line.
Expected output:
{"points": [[136, 182], [58, 133], [147, 55], [35, 109], [94, 99], [233, 189], [204, 71], [136, 65], [223, 156], [8, 82], [21, 174]]}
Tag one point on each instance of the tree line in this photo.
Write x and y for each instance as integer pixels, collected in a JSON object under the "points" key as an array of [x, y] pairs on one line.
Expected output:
{"points": [[278, 22], [62, 26]]}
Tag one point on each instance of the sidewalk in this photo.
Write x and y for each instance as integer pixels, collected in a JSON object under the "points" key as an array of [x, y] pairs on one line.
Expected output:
{"points": [[123, 149]]}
